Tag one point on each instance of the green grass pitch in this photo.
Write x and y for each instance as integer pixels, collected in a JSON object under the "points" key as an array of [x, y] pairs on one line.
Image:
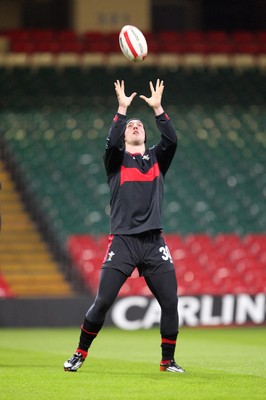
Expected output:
{"points": [[220, 363]]}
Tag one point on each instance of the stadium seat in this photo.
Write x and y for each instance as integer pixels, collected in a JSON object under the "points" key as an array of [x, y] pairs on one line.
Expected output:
{"points": [[5, 290], [210, 271], [243, 36]]}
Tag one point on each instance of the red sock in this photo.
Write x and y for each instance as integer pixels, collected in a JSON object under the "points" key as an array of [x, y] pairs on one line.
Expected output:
{"points": [[83, 352], [164, 362], [168, 345]]}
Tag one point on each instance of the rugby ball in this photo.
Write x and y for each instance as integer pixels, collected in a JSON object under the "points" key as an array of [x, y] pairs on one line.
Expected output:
{"points": [[133, 43]]}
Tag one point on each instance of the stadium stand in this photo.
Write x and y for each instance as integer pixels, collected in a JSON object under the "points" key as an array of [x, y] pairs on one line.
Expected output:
{"points": [[225, 263], [216, 48], [53, 127], [90, 41]]}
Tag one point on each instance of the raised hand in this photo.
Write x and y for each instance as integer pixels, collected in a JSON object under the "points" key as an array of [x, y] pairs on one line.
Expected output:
{"points": [[123, 100], [156, 97]]}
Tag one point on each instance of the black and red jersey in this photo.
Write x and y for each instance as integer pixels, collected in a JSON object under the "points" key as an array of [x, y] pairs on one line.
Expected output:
{"points": [[136, 181]]}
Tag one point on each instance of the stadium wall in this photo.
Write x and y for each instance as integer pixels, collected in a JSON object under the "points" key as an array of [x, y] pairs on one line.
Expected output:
{"points": [[136, 312], [111, 15]]}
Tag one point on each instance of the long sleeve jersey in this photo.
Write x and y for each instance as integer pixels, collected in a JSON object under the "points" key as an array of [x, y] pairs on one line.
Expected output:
{"points": [[136, 181]]}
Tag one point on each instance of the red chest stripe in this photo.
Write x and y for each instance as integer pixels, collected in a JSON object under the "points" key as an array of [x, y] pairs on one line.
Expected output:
{"points": [[135, 175]]}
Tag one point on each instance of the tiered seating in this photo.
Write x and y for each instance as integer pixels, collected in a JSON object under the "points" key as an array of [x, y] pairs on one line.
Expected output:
{"points": [[41, 41], [159, 42], [55, 122], [216, 181], [223, 264], [214, 49]]}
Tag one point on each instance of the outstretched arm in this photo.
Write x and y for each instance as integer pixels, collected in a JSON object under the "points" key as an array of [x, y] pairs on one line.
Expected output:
{"points": [[123, 100], [156, 97], [115, 143], [166, 147]]}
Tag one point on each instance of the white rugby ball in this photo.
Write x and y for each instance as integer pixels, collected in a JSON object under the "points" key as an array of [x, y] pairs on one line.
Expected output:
{"points": [[133, 43]]}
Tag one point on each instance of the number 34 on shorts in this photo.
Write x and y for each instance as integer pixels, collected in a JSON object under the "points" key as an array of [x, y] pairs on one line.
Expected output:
{"points": [[166, 255]]}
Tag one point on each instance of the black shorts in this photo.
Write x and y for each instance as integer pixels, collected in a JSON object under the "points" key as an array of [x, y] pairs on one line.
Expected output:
{"points": [[146, 251]]}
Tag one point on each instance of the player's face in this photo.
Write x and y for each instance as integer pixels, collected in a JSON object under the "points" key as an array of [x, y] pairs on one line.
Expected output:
{"points": [[135, 133]]}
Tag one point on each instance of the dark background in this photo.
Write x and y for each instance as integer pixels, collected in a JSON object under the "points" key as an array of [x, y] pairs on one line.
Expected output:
{"points": [[178, 15]]}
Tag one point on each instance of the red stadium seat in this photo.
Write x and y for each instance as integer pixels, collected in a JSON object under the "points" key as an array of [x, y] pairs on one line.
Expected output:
{"points": [[174, 241], [173, 47], [42, 35], [204, 265], [222, 47], [242, 36], [198, 47], [21, 47], [168, 36], [93, 37], [46, 46], [70, 46], [67, 36], [248, 47], [96, 47], [216, 37], [173, 42], [193, 36], [260, 36], [19, 35], [5, 290], [154, 46]]}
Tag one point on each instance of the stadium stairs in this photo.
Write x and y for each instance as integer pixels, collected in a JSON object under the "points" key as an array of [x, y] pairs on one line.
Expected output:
{"points": [[27, 267]]}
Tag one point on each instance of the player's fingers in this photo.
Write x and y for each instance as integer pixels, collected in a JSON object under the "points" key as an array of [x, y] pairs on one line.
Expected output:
{"points": [[133, 95], [151, 87], [143, 97], [159, 85], [117, 84]]}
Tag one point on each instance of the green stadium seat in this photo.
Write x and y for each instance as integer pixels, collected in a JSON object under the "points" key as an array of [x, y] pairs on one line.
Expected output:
{"points": [[55, 122]]}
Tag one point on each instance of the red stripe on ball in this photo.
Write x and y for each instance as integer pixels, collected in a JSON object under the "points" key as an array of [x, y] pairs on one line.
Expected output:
{"points": [[133, 51]]}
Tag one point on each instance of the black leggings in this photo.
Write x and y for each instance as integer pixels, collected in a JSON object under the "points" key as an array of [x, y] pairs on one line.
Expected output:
{"points": [[163, 286]]}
